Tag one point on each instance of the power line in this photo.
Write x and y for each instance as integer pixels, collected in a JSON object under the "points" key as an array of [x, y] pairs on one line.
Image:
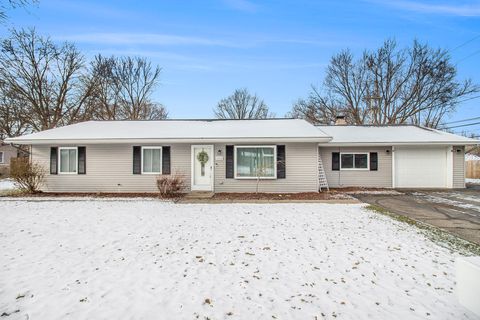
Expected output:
{"points": [[474, 131], [465, 43], [476, 118], [469, 56], [471, 98], [462, 125]]}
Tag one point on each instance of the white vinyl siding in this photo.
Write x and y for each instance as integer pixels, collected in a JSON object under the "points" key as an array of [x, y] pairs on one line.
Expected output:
{"points": [[255, 162], [381, 178], [301, 172], [110, 169], [68, 160], [459, 167]]}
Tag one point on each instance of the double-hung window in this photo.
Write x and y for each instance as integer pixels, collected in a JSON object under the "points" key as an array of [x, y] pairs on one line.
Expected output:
{"points": [[255, 162], [1, 157], [354, 161], [152, 160], [68, 159]]}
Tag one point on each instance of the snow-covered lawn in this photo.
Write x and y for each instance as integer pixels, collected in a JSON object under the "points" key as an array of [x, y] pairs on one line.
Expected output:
{"points": [[153, 260], [6, 185]]}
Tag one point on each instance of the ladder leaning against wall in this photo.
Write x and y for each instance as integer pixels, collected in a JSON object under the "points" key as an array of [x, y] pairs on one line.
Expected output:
{"points": [[322, 177]]}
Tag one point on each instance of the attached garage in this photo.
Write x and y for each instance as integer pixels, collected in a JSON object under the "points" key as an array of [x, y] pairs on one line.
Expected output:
{"points": [[422, 167], [409, 156]]}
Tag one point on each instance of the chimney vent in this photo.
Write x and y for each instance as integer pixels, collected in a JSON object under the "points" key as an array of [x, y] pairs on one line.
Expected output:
{"points": [[340, 120]]}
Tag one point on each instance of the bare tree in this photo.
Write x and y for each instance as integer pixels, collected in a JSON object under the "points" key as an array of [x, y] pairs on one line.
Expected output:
{"points": [[7, 5], [105, 99], [242, 105], [124, 89], [48, 80], [317, 108], [415, 85], [12, 115]]}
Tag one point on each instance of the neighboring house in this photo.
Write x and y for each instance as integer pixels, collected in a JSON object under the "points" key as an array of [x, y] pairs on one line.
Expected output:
{"points": [[7, 152], [232, 155]]}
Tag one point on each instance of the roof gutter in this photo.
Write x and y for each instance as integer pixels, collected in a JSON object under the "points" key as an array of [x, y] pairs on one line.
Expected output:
{"points": [[172, 140], [405, 143]]}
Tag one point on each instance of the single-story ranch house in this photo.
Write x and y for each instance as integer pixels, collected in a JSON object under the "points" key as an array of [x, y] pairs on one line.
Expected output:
{"points": [[287, 155]]}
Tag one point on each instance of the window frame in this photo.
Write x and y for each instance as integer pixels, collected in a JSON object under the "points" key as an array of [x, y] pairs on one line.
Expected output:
{"points": [[274, 147], [60, 160], [355, 169], [161, 158], [2, 157]]}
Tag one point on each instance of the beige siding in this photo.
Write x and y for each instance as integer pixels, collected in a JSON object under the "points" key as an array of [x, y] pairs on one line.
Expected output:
{"points": [[301, 172], [459, 167], [8, 153], [359, 178], [109, 169]]}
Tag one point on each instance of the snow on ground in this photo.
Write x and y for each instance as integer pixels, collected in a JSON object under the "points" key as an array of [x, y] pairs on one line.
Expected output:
{"points": [[144, 260], [471, 157], [472, 181], [452, 198], [6, 185]]}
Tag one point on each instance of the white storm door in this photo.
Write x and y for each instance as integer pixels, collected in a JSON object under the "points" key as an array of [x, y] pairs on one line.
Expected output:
{"points": [[202, 167]]}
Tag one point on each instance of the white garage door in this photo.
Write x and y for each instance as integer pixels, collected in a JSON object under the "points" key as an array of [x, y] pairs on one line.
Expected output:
{"points": [[420, 167]]}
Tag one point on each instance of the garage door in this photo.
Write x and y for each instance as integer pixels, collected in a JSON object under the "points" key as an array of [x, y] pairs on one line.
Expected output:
{"points": [[420, 167]]}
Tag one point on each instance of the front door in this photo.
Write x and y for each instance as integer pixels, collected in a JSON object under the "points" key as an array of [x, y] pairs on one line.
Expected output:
{"points": [[202, 167]]}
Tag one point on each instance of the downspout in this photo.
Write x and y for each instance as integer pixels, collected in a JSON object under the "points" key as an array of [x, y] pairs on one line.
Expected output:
{"points": [[393, 167], [339, 167], [449, 169], [318, 173]]}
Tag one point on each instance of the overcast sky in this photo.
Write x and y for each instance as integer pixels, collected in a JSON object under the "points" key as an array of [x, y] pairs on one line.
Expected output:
{"points": [[276, 49]]}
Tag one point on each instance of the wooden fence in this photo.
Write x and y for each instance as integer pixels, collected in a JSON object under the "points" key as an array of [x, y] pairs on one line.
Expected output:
{"points": [[472, 169]]}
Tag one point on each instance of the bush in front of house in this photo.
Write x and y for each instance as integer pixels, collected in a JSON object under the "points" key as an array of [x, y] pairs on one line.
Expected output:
{"points": [[171, 185], [27, 176]]}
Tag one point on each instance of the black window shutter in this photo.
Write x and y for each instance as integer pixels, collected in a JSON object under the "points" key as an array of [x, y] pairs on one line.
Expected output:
{"points": [[82, 160], [165, 160], [373, 161], [53, 160], [281, 162], [335, 161], [229, 162], [137, 160]]}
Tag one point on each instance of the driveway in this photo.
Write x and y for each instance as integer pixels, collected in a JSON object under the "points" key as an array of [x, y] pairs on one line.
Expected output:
{"points": [[456, 211]]}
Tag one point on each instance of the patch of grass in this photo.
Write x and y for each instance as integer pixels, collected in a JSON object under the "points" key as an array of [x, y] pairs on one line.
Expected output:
{"points": [[437, 235], [13, 193]]}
